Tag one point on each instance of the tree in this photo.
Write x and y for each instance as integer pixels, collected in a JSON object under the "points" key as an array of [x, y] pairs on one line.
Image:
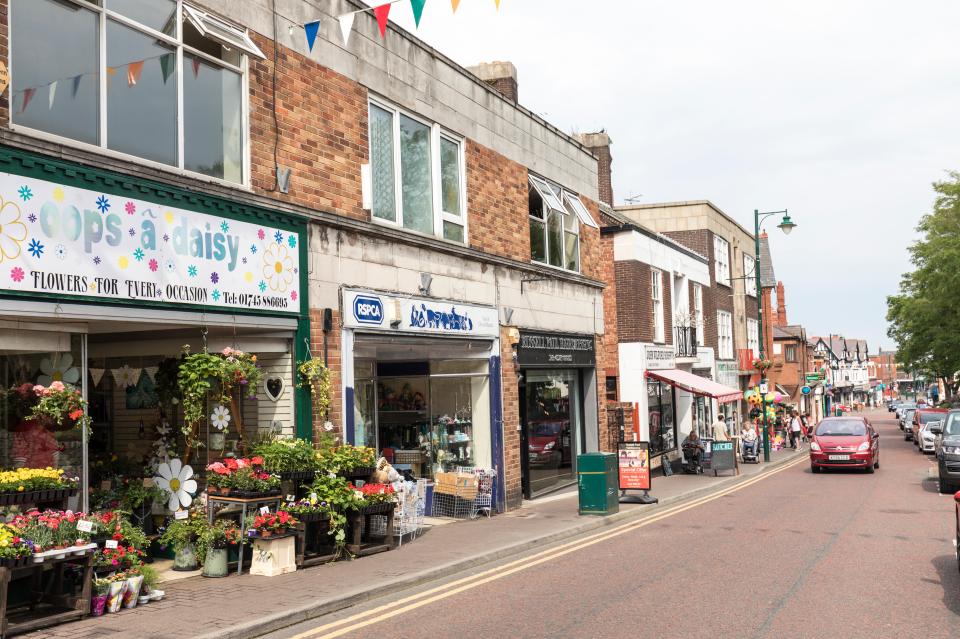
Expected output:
{"points": [[924, 319]]}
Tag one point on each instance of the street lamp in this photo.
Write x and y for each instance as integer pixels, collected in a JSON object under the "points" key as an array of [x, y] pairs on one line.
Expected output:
{"points": [[786, 225]]}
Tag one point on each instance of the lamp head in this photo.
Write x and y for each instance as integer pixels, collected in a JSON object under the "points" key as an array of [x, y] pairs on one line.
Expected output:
{"points": [[786, 225]]}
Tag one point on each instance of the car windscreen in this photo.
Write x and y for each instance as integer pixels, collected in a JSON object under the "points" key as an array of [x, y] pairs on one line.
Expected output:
{"points": [[953, 424], [930, 417], [841, 428], [908, 414]]}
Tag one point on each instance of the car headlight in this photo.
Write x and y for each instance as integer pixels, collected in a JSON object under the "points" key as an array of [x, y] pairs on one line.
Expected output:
{"points": [[865, 446], [951, 449], [815, 446], [549, 446]]}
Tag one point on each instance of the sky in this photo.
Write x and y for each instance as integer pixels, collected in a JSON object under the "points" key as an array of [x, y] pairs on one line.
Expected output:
{"points": [[843, 112]]}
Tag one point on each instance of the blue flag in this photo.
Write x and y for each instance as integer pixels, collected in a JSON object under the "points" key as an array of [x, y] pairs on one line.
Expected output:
{"points": [[312, 28]]}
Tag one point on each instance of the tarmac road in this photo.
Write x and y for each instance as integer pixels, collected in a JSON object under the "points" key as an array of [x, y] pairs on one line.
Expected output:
{"points": [[787, 554]]}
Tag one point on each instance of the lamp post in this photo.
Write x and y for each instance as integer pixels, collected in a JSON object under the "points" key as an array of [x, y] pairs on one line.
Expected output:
{"points": [[786, 225]]}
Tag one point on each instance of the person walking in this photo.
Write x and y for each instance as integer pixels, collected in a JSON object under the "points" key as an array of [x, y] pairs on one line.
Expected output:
{"points": [[796, 427], [720, 430]]}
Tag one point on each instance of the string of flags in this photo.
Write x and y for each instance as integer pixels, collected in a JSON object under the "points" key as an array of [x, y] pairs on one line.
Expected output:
{"points": [[124, 376], [381, 13]]}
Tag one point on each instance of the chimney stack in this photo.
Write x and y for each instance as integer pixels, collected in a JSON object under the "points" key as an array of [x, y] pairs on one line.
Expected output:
{"points": [[599, 144], [781, 306], [502, 76]]}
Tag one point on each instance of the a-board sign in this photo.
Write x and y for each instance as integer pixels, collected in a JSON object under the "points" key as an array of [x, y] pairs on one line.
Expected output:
{"points": [[633, 464], [722, 456]]}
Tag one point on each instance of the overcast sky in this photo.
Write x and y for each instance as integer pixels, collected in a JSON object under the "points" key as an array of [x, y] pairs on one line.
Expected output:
{"points": [[843, 112]]}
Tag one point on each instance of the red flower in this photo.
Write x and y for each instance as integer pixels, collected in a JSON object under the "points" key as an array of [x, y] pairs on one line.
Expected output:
{"points": [[257, 461]]}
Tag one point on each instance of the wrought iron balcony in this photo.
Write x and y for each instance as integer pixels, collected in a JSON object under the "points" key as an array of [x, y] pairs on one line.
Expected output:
{"points": [[685, 341]]}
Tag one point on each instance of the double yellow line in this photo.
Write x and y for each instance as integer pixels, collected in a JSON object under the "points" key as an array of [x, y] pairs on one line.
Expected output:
{"points": [[449, 589]]}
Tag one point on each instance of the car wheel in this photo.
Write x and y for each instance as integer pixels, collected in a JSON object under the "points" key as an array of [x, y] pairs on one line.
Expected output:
{"points": [[876, 464], [870, 468], [943, 486], [814, 469]]}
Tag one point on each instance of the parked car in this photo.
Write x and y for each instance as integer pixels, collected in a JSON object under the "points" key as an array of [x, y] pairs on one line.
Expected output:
{"points": [[905, 420], [549, 443], [922, 416], [926, 440], [901, 408], [845, 442], [892, 405], [948, 452]]}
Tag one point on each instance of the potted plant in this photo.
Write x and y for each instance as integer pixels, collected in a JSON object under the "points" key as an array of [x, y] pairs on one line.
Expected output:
{"points": [[118, 584], [181, 535], [375, 498], [212, 545], [131, 596], [271, 524], [60, 404], [14, 549], [101, 590], [350, 461], [289, 458]]}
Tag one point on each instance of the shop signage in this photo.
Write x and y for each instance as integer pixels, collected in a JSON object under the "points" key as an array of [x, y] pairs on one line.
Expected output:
{"points": [[68, 241], [633, 463], [416, 315], [805, 390], [541, 349], [722, 456], [659, 357], [813, 377], [728, 373]]}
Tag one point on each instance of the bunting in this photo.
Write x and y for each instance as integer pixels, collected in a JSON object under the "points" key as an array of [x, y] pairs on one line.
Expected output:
{"points": [[346, 26], [417, 6], [27, 96], [53, 92], [382, 12], [311, 29], [134, 69], [76, 85], [454, 4], [167, 61], [96, 374]]}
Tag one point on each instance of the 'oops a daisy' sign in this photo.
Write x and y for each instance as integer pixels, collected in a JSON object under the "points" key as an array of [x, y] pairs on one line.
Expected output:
{"points": [[69, 241]]}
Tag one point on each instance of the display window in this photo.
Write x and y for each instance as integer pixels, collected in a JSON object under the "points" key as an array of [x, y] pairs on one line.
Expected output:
{"points": [[553, 428], [663, 436]]}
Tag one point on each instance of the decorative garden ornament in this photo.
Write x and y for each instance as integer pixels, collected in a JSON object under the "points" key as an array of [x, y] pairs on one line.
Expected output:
{"points": [[177, 479], [58, 368]]}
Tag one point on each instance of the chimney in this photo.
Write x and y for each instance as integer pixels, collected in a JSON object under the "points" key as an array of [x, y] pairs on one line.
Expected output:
{"points": [[502, 76], [599, 144], [781, 306]]}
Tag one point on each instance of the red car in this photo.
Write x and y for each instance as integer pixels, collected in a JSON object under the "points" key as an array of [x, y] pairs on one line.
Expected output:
{"points": [[845, 442]]}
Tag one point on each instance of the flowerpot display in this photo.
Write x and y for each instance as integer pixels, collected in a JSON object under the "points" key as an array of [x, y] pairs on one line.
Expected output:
{"points": [[215, 565], [132, 594], [98, 605], [186, 558], [115, 595]]}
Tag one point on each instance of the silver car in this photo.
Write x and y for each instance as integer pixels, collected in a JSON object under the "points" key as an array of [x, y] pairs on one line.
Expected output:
{"points": [[905, 421], [901, 409], [927, 439]]}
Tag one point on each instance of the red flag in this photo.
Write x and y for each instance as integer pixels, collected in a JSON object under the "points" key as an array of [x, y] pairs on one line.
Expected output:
{"points": [[134, 69], [27, 96], [382, 12], [196, 67]]}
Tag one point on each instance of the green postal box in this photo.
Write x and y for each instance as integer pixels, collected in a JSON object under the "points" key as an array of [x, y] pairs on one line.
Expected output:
{"points": [[599, 483]]}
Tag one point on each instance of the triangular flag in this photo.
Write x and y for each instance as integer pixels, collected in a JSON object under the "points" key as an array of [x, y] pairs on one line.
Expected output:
{"points": [[382, 12], [455, 4], [196, 67], [53, 92], [76, 84], [151, 372], [498, 4], [134, 69], [417, 6], [27, 96], [111, 71], [346, 26], [311, 28], [166, 66], [96, 374]]}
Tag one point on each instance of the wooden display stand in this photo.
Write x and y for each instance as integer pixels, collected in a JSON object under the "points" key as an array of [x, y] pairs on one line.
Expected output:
{"points": [[314, 545], [274, 556], [245, 505], [47, 604], [360, 541]]}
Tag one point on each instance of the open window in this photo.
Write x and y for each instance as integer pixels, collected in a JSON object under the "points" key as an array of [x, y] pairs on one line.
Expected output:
{"points": [[554, 225], [579, 209], [223, 32]]}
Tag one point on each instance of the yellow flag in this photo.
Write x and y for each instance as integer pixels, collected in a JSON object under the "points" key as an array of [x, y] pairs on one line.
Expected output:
{"points": [[498, 4], [455, 4]]}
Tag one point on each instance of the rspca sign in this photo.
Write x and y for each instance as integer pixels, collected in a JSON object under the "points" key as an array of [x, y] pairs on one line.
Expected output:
{"points": [[418, 315], [368, 309]]}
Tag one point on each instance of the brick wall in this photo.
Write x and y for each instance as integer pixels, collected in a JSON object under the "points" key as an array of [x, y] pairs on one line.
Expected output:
{"points": [[511, 422], [716, 297], [333, 363], [610, 335]]}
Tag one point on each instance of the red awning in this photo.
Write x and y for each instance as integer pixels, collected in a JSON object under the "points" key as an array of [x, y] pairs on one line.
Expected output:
{"points": [[697, 385]]}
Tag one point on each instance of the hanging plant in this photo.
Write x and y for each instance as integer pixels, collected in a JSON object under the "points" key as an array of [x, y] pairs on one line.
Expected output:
{"points": [[60, 404], [762, 364], [316, 376]]}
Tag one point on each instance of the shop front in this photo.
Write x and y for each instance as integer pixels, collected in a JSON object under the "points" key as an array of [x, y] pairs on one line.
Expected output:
{"points": [[418, 374], [702, 394], [106, 282], [555, 370]]}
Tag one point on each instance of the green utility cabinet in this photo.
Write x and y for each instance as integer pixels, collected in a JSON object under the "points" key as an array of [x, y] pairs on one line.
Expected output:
{"points": [[599, 483]]}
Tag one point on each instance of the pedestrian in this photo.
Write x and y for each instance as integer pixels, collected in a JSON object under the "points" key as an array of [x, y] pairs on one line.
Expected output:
{"points": [[720, 430], [796, 427], [807, 428]]}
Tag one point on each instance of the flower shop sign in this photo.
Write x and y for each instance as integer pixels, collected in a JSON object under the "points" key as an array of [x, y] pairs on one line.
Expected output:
{"points": [[69, 241]]}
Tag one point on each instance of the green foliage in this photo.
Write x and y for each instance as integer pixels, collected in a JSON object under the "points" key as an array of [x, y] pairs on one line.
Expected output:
{"points": [[181, 532], [285, 455], [218, 535], [134, 495], [924, 318], [150, 576], [315, 376], [348, 457]]}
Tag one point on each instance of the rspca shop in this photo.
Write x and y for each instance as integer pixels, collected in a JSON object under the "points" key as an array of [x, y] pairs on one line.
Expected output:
{"points": [[419, 381]]}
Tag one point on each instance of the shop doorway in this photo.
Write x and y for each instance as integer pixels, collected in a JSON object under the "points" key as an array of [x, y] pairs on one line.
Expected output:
{"points": [[551, 433]]}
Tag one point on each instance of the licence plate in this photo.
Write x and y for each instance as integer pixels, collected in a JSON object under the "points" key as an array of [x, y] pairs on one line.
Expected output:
{"points": [[839, 457]]}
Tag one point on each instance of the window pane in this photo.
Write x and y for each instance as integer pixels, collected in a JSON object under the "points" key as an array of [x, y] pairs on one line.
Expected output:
{"points": [[570, 223], [212, 131], [55, 86], [159, 15], [554, 239], [534, 203], [415, 171], [141, 95], [452, 231], [450, 176], [193, 38], [572, 251], [538, 244], [381, 164]]}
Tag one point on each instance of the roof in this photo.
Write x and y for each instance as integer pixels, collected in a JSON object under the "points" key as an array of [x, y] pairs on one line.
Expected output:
{"points": [[663, 205], [768, 279], [791, 331]]}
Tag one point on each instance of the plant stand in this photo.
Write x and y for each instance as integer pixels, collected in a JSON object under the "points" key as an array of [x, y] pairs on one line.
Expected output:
{"points": [[361, 541], [313, 543], [274, 556], [50, 603], [245, 505]]}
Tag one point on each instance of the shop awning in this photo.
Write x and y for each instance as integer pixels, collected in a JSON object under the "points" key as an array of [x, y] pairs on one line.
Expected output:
{"points": [[696, 384]]}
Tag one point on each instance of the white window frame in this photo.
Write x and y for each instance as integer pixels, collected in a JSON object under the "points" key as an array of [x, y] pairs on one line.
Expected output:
{"points": [[698, 312], [175, 41], [750, 277], [724, 335], [721, 260], [753, 337], [556, 198], [436, 133], [656, 297]]}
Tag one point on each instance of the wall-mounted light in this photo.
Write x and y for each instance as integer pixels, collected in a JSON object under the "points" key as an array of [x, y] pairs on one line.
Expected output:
{"points": [[507, 315], [425, 281]]}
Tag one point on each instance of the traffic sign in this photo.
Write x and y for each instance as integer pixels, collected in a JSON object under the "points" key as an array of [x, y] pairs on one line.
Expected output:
{"points": [[805, 390]]}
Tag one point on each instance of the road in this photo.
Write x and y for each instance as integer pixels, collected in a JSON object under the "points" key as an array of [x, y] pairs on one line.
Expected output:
{"points": [[841, 554]]}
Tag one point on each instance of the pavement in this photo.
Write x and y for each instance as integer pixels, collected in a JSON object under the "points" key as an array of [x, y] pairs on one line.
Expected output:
{"points": [[252, 606], [782, 555]]}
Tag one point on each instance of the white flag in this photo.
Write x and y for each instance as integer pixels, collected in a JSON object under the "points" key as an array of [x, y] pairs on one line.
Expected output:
{"points": [[151, 372], [96, 374], [346, 26], [53, 92]]}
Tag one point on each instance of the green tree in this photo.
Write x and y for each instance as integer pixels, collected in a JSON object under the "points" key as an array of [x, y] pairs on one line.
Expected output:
{"points": [[924, 319]]}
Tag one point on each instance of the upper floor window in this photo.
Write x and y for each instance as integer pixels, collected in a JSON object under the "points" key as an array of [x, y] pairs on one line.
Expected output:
{"points": [[417, 174], [750, 281], [753, 337], [721, 257], [555, 218], [656, 295], [698, 312], [160, 80], [724, 335]]}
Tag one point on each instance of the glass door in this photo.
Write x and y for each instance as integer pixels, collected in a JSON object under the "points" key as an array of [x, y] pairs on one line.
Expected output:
{"points": [[552, 428]]}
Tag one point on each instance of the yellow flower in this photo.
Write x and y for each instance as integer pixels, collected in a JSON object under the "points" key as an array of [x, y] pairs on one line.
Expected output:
{"points": [[58, 194], [20, 489], [12, 230]]}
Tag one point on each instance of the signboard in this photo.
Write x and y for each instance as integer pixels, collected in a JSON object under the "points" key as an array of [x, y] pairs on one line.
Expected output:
{"points": [[805, 390], [633, 462], [366, 309], [540, 349], [728, 373], [722, 456], [69, 241], [764, 388], [813, 377], [4, 77], [659, 357]]}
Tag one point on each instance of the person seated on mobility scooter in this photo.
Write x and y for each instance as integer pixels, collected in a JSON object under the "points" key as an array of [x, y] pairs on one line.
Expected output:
{"points": [[749, 442], [692, 453]]}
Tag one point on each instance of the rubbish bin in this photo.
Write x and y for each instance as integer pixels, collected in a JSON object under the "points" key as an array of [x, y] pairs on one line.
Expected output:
{"points": [[599, 483]]}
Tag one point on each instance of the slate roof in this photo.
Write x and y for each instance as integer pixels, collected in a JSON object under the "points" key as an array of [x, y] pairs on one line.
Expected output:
{"points": [[768, 279]]}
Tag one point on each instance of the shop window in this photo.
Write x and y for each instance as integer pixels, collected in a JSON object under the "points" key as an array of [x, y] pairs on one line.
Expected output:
{"points": [[427, 164], [721, 257], [663, 437], [612, 395], [56, 90], [555, 217], [553, 429]]}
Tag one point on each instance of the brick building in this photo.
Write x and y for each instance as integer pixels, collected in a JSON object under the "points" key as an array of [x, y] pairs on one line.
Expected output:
{"points": [[885, 370], [379, 206]]}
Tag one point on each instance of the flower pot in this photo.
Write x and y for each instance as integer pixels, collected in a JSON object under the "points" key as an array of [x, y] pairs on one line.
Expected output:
{"points": [[98, 605], [185, 558], [215, 564], [115, 595], [266, 534], [132, 594]]}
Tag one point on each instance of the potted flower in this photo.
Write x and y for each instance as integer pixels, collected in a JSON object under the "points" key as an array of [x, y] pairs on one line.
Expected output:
{"points": [[289, 458], [131, 595], [375, 498], [14, 549], [762, 364], [101, 591], [23, 485], [218, 479], [220, 420], [181, 535], [271, 524], [60, 404], [354, 462], [212, 545], [118, 584]]}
